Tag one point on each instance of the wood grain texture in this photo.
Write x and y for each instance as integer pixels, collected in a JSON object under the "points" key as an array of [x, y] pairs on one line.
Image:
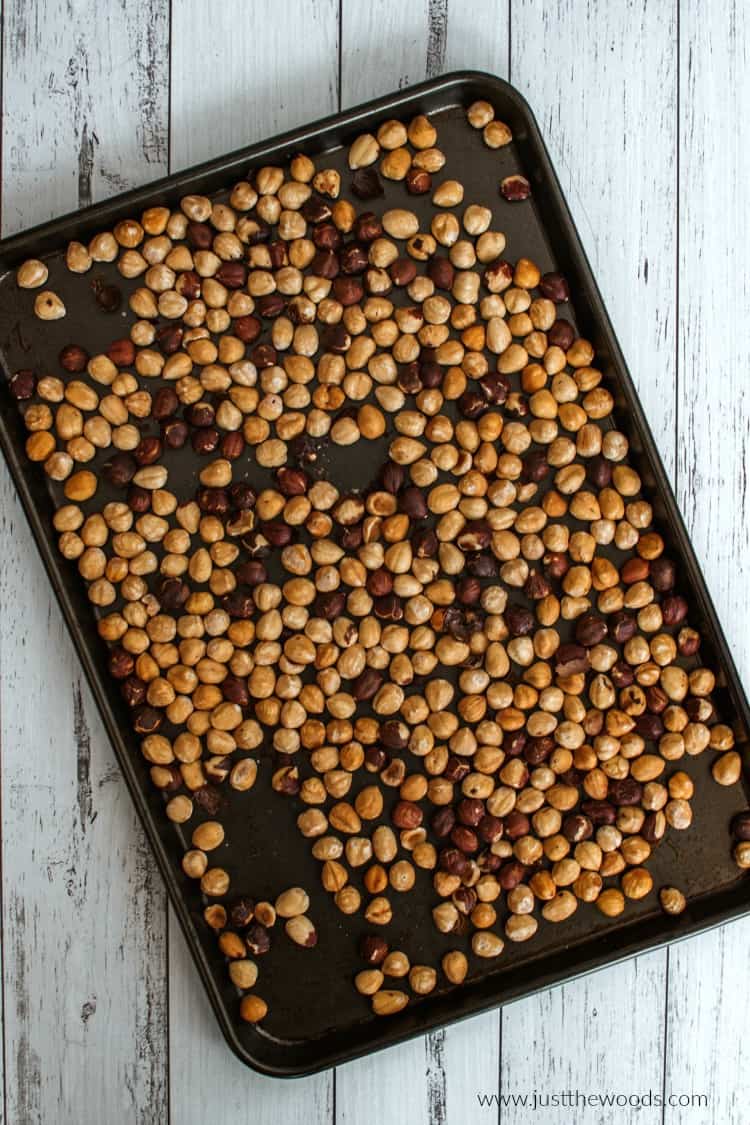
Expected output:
{"points": [[85, 115], [384, 47], [707, 1053], [263, 80], [619, 181], [613, 145], [389, 46], [709, 984], [84, 103], [429, 1081], [241, 73], [600, 1035], [478, 37]]}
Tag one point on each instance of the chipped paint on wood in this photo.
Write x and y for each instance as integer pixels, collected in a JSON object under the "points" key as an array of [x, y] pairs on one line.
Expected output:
{"points": [[437, 36], [601, 1034], [84, 914], [75, 74], [27, 1059], [436, 1077], [618, 177], [88, 1009], [82, 739], [85, 166], [84, 955]]}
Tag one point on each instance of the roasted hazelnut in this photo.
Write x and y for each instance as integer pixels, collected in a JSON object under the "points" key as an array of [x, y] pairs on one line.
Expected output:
{"points": [[257, 939], [741, 826], [515, 188], [554, 287], [240, 912], [252, 1008], [108, 297], [672, 900], [373, 949], [387, 1002], [73, 358]]}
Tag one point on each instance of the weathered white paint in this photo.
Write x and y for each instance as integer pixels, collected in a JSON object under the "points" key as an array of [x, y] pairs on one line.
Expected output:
{"points": [[241, 73], [709, 983], [85, 115], [613, 146], [599, 1035], [85, 103]]}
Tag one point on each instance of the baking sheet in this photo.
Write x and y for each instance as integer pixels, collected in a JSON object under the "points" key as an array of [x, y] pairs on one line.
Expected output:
{"points": [[315, 1017]]}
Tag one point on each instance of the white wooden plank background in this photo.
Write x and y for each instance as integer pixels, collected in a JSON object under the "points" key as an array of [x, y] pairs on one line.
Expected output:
{"points": [[85, 114], [709, 975], [644, 106]]}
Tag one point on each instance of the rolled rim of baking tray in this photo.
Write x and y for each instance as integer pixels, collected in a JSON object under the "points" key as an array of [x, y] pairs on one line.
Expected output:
{"points": [[336, 129]]}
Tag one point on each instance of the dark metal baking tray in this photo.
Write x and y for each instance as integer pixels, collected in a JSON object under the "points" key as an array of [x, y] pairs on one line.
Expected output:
{"points": [[316, 1019]]}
